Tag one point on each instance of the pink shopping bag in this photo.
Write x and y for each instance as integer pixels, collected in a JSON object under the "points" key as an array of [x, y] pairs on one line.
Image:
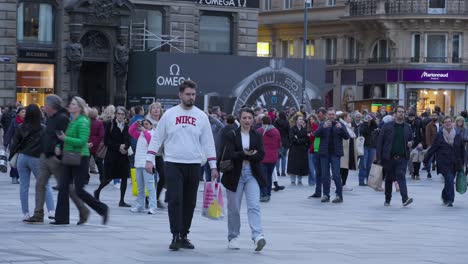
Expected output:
{"points": [[213, 204]]}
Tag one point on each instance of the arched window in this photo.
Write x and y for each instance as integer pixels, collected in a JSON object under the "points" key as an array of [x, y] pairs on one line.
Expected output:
{"points": [[380, 52], [35, 22]]}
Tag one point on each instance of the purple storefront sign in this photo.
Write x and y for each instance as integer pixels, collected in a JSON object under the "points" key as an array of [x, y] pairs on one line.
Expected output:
{"points": [[435, 76]]}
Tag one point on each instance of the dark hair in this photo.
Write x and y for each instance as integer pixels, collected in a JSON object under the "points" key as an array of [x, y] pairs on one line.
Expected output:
{"points": [[230, 119], [246, 110], [400, 106], [257, 108], [138, 109], [33, 117], [464, 114], [187, 84], [322, 110], [331, 109], [296, 117], [282, 115], [266, 120]]}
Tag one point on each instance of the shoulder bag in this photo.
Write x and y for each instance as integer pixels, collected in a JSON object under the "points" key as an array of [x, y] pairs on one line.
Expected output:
{"points": [[226, 165]]}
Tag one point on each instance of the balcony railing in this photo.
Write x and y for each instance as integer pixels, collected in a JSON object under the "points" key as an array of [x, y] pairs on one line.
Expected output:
{"points": [[379, 60], [436, 59], [405, 7], [414, 59], [330, 61], [351, 61], [457, 60]]}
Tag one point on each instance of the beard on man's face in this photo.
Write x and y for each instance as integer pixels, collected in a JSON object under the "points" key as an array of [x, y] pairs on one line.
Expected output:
{"points": [[188, 103]]}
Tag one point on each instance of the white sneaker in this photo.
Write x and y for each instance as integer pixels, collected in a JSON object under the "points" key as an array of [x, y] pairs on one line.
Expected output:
{"points": [[51, 215], [117, 186], [26, 216], [347, 189], [136, 210], [152, 211], [233, 244], [260, 242]]}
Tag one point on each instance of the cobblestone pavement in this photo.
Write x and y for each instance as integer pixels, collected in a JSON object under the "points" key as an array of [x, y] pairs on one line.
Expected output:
{"points": [[298, 230]]}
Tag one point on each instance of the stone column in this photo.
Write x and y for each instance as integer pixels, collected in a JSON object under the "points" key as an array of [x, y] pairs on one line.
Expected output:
{"points": [[121, 55], [8, 52]]}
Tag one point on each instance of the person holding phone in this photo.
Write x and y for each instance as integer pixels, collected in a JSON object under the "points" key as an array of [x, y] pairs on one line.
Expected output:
{"points": [[298, 160], [244, 147], [331, 135], [116, 162]]}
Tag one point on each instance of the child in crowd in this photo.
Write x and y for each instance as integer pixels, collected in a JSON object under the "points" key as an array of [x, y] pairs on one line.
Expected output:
{"points": [[416, 157]]}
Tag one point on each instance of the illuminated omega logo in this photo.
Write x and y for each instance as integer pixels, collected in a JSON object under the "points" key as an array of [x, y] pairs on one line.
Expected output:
{"points": [[274, 87]]}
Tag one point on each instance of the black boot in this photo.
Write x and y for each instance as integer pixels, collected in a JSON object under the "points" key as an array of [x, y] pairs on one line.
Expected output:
{"points": [[185, 243], [175, 244], [277, 187]]}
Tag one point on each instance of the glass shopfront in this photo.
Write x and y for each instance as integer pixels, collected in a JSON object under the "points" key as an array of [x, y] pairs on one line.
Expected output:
{"points": [[34, 82]]}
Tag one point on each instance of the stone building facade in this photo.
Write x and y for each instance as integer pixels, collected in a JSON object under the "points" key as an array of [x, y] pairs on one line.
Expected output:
{"points": [[412, 53], [7, 51], [83, 47]]}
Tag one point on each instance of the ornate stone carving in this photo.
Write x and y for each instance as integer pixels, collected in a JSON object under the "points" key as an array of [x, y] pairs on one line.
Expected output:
{"points": [[95, 41], [74, 52], [121, 55]]}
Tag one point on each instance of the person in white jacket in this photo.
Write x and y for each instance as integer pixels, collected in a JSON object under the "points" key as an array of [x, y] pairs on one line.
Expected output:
{"points": [[186, 134], [141, 131]]}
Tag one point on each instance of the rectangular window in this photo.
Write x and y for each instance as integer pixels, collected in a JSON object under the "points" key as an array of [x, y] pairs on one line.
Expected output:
{"points": [[149, 26], [263, 49], [436, 48], [352, 51], [331, 2], [436, 3], [309, 3], [416, 47], [330, 50], [34, 82], [35, 22], [266, 5], [457, 47], [288, 4], [215, 34], [310, 48]]}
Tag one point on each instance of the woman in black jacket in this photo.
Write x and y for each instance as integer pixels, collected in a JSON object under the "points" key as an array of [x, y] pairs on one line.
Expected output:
{"points": [[26, 143], [282, 124], [369, 131], [244, 147], [116, 162], [298, 159], [449, 150]]}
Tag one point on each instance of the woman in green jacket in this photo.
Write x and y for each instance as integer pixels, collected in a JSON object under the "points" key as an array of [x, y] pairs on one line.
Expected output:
{"points": [[76, 141]]}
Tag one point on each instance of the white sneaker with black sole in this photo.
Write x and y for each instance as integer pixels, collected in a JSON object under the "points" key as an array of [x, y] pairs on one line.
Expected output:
{"points": [[233, 244]]}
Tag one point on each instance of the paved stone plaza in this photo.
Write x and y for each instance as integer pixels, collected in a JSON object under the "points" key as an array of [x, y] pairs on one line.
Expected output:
{"points": [[298, 230]]}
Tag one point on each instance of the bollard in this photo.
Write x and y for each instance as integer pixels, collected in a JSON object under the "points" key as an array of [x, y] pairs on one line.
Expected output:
{"points": [[3, 166]]}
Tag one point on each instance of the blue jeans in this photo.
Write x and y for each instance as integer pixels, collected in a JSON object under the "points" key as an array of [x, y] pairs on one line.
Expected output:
{"points": [[268, 173], [333, 161], [283, 156], [27, 164], [318, 173], [365, 164], [144, 179], [448, 193], [248, 185], [311, 169]]}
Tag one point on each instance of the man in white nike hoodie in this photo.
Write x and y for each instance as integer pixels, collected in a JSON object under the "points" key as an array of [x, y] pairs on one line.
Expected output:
{"points": [[186, 134]]}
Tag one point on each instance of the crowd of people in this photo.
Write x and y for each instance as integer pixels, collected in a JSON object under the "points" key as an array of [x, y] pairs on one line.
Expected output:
{"points": [[175, 149]]}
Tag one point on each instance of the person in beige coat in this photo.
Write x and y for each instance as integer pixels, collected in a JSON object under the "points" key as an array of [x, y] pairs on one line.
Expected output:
{"points": [[350, 159], [416, 157]]}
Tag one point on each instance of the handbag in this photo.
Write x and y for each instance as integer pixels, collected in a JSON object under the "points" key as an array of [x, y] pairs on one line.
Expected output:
{"points": [[14, 161], [461, 182], [71, 158], [101, 151], [225, 165], [359, 146], [375, 177]]}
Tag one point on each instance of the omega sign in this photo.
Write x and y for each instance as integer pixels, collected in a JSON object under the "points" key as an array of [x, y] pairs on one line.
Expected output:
{"points": [[235, 3], [174, 78]]}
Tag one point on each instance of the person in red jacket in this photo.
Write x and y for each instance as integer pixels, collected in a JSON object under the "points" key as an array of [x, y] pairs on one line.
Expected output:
{"points": [[96, 138], [271, 145]]}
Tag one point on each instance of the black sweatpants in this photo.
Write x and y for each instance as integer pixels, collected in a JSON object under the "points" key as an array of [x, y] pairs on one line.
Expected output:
{"points": [[161, 176], [182, 188]]}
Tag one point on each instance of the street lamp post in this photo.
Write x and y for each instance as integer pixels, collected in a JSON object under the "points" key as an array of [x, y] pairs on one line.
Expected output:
{"points": [[304, 53]]}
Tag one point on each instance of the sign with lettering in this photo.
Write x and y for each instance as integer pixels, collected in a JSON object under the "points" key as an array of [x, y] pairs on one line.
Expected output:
{"points": [[229, 3], [37, 54], [454, 76]]}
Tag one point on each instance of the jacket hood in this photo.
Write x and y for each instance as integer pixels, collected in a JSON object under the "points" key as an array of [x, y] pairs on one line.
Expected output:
{"points": [[269, 131]]}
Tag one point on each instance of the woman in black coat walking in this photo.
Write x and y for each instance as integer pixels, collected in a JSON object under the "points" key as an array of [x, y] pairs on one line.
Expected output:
{"points": [[298, 161], [449, 150], [116, 162]]}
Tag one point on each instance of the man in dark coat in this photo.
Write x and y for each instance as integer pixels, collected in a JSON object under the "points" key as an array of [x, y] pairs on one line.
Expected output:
{"points": [[9, 115], [393, 144], [331, 135]]}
